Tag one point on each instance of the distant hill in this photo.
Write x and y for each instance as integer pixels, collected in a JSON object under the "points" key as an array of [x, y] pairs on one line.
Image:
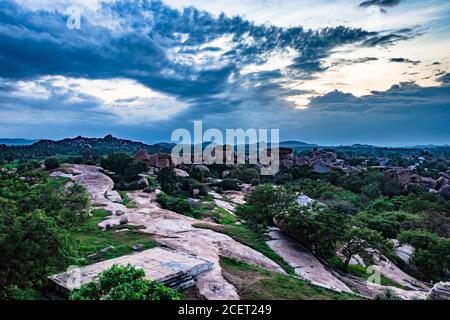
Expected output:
{"points": [[11, 149], [78, 146], [297, 145], [16, 142]]}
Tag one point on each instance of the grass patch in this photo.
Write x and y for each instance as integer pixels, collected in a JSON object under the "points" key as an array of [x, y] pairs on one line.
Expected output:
{"points": [[126, 201], [361, 272], [250, 238], [91, 240], [10, 166], [254, 283], [221, 215]]}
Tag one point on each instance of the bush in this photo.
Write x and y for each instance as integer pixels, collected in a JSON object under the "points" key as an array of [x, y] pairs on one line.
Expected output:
{"points": [[124, 167], [167, 180], [389, 223], [51, 163], [320, 231], [124, 283], [264, 202], [116, 162], [283, 178], [229, 184], [245, 174], [197, 173], [432, 256], [189, 184], [177, 205]]}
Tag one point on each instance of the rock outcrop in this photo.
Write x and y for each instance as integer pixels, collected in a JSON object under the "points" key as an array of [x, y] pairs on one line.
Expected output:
{"points": [[174, 231], [440, 291], [156, 160], [445, 191], [306, 266]]}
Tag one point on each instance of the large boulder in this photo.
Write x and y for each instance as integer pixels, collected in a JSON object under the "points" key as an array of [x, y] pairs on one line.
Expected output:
{"points": [[427, 183], [138, 184], [157, 160], [202, 168], [404, 252], [286, 163], [181, 173], [445, 191], [440, 291], [442, 181], [446, 175], [142, 156]]}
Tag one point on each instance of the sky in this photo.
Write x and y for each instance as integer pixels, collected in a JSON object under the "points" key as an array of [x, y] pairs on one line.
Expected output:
{"points": [[326, 72]]}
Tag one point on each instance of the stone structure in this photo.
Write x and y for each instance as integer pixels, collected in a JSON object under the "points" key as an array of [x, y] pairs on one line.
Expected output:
{"points": [[157, 160]]}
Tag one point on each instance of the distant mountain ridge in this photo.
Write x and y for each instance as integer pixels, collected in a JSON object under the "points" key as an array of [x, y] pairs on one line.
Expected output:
{"points": [[16, 142], [80, 145], [22, 148]]}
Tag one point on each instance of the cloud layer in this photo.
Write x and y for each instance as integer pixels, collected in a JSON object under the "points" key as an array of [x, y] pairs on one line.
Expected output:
{"points": [[141, 66]]}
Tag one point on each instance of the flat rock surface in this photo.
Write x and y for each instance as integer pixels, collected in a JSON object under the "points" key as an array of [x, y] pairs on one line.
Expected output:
{"points": [[372, 290], [305, 264], [175, 231], [391, 271], [237, 197], [159, 264], [231, 208]]}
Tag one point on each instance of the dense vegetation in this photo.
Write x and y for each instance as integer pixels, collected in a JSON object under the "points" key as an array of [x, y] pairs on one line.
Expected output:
{"points": [[352, 213], [37, 216]]}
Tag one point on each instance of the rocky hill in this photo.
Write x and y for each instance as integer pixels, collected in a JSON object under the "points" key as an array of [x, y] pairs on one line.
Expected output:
{"points": [[79, 146]]}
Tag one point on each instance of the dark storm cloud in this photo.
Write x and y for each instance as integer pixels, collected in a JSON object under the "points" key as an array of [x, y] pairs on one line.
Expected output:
{"points": [[445, 79], [404, 60], [38, 43], [380, 3]]}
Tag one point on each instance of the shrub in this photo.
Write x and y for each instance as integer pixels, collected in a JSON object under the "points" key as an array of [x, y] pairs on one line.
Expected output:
{"points": [[51, 163], [389, 223], [168, 180], [177, 205], [124, 283], [245, 174], [189, 184], [432, 256], [264, 202], [229, 184], [197, 173], [124, 167], [116, 162]]}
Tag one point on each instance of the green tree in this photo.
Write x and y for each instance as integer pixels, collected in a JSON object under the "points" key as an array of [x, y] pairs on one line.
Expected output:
{"points": [[356, 240], [116, 162], [124, 167], [264, 202], [389, 223], [124, 283], [51, 163], [168, 180], [245, 174], [36, 214], [319, 229], [432, 255], [229, 184]]}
